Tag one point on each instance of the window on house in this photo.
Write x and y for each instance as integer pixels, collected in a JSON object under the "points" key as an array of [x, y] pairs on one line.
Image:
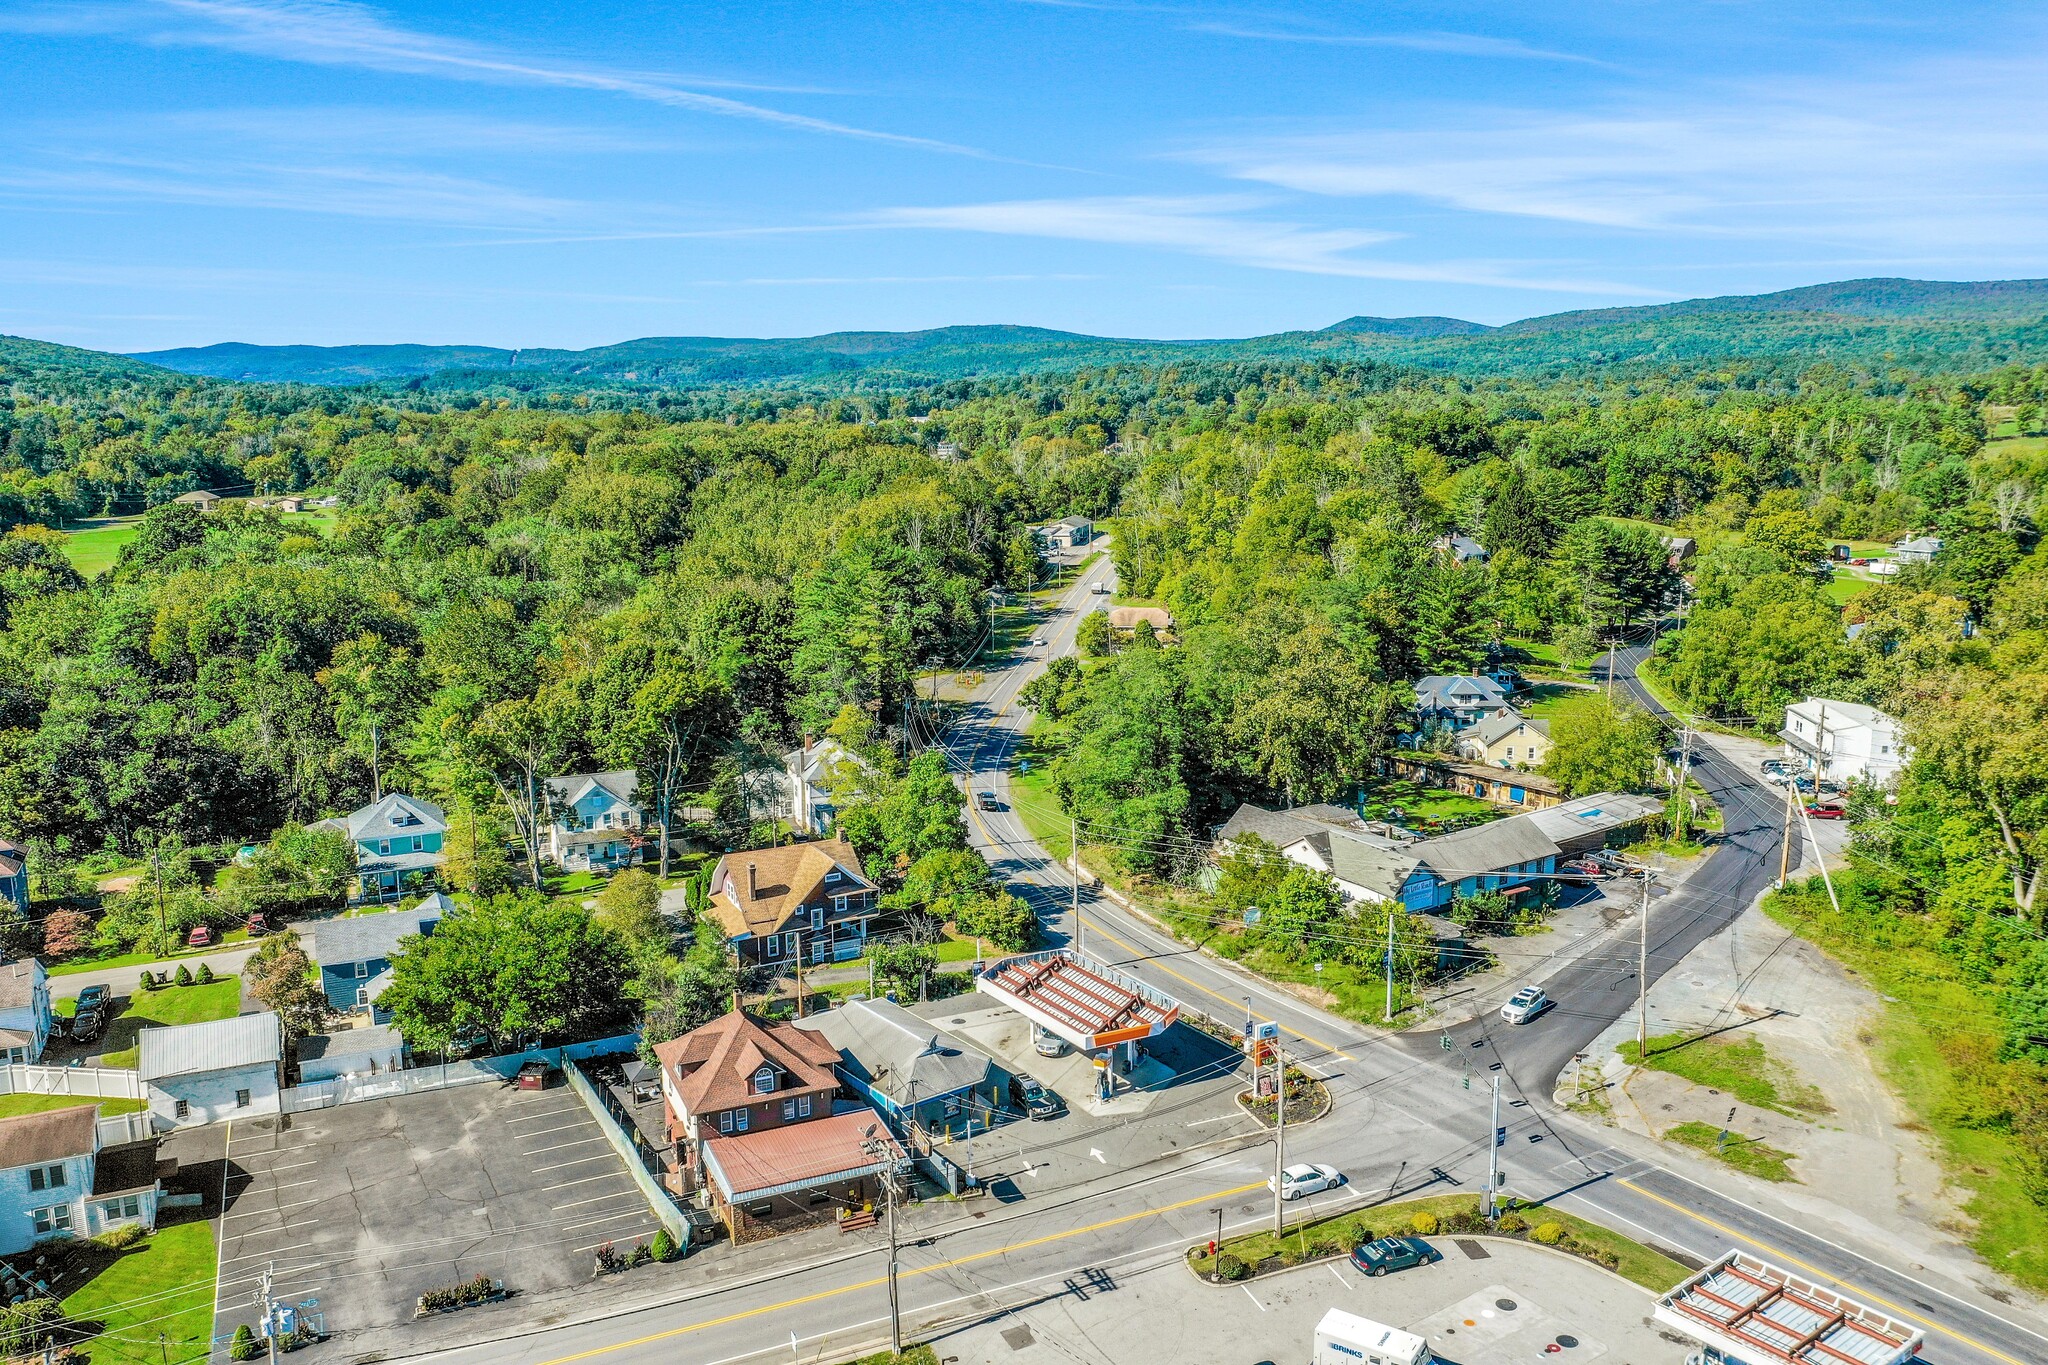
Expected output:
{"points": [[1511, 753], [739, 1120], [183, 1109], [418, 843], [817, 917], [791, 948], [54, 1219], [725, 1122], [764, 1080], [772, 945], [127, 1207], [241, 1099], [789, 1111], [362, 971], [832, 876], [803, 1106], [383, 846], [362, 995], [46, 1177]]}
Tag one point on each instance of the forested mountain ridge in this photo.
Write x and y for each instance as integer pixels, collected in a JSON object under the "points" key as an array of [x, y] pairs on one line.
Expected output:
{"points": [[1916, 325]]}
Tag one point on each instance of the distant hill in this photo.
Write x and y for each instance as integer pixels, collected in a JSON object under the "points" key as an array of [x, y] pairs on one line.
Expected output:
{"points": [[1918, 325]]}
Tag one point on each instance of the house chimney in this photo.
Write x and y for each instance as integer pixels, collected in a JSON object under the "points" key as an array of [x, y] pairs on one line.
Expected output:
{"points": [[753, 892]]}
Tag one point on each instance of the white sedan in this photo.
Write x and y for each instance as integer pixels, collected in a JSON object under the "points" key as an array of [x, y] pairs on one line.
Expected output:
{"points": [[1297, 1181]]}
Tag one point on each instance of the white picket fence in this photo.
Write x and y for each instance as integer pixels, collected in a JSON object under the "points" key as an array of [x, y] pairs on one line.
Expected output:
{"points": [[110, 1082], [383, 1086]]}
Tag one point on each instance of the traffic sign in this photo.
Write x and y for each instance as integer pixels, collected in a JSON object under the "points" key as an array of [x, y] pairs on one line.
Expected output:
{"points": [[1500, 1137]]}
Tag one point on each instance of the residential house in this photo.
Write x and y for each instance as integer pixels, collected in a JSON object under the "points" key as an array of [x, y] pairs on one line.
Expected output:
{"points": [[291, 503], [57, 1181], [1282, 827], [594, 822], [805, 797], [1586, 823], [368, 1051], [1462, 549], [922, 1078], [1365, 867], [1917, 550], [1068, 533], [1679, 549], [1458, 701], [221, 1069], [809, 899], [1842, 741], [1502, 855], [201, 499], [749, 1106], [397, 839], [24, 1010], [355, 953], [1126, 620], [947, 451], [1506, 739], [14, 874]]}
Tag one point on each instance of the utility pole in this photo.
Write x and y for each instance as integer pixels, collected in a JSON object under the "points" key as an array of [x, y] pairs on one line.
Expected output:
{"points": [[1681, 804], [1643, 972], [1785, 841], [269, 1307], [1074, 844], [1390, 967], [879, 1148], [156, 865], [1493, 1153], [1279, 1137], [1610, 668], [799, 973]]}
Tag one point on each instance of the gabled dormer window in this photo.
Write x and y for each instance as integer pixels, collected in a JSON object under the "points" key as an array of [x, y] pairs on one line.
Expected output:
{"points": [[764, 1080]]}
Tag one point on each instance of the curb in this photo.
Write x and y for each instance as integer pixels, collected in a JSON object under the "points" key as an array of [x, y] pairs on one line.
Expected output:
{"points": [[1475, 1236]]}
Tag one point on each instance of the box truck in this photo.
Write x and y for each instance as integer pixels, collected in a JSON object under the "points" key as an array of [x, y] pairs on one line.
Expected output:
{"points": [[1346, 1339]]}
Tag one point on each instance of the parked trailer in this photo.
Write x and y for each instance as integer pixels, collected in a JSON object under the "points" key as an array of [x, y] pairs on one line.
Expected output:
{"points": [[1346, 1339]]}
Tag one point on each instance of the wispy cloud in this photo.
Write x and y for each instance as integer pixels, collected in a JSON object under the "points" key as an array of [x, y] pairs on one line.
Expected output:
{"points": [[347, 34], [1217, 227], [1449, 44], [1941, 157]]}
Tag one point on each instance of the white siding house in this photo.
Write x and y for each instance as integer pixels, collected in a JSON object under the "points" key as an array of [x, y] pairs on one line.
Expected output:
{"points": [[1843, 741], [222, 1069], [594, 821], [56, 1181]]}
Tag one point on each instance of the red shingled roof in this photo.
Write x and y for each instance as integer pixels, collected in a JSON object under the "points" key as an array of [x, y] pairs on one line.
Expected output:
{"points": [[713, 1066], [797, 1154]]}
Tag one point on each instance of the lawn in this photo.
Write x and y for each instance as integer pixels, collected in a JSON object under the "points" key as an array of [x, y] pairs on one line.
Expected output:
{"points": [[1420, 803], [1735, 1064], [219, 999], [1842, 586], [14, 1106], [1031, 795], [1548, 700], [93, 549], [1751, 1156], [154, 1302], [1634, 1261]]}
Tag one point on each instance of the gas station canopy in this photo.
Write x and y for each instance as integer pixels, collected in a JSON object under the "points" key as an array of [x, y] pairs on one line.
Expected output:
{"points": [[1090, 1004]]}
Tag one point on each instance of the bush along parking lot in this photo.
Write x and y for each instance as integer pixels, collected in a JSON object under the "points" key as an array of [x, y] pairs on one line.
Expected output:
{"points": [[1261, 1253]]}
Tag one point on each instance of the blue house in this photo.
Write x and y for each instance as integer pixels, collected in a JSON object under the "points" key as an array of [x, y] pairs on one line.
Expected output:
{"points": [[14, 874], [355, 953], [396, 839]]}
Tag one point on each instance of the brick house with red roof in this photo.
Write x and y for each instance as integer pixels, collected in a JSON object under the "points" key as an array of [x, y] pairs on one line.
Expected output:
{"points": [[733, 1092]]}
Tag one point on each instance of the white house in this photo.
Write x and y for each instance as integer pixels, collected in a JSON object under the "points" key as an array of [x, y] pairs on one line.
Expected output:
{"points": [[369, 1051], [221, 1069], [1918, 550], [57, 1181], [1844, 740], [805, 794], [24, 1010], [594, 822]]}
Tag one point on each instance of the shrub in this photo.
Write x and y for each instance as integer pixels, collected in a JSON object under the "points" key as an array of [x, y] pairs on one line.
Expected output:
{"points": [[144, 983], [123, 1237], [66, 933], [1550, 1234], [244, 1346], [1513, 1223], [1326, 1246], [184, 976], [1230, 1268], [1424, 1222], [664, 1246], [203, 975], [642, 1254], [1357, 1235]]}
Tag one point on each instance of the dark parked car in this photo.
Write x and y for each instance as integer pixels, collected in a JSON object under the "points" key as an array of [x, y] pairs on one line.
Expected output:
{"points": [[987, 801], [93, 998], [1038, 1102], [1394, 1253]]}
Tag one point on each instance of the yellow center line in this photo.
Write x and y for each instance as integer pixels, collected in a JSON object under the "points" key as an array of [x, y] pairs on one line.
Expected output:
{"points": [[1777, 1255], [823, 1294]]}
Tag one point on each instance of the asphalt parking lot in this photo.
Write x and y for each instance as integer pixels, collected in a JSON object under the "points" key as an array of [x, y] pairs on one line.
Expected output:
{"points": [[364, 1207]]}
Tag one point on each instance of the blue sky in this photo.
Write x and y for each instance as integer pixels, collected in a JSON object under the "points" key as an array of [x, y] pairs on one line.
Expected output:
{"points": [[519, 173]]}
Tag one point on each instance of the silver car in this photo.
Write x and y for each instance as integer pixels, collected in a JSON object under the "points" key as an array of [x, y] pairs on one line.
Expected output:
{"points": [[1528, 1002]]}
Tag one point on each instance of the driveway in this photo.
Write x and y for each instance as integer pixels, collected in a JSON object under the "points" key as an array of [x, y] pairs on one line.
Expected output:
{"points": [[121, 980], [364, 1207]]}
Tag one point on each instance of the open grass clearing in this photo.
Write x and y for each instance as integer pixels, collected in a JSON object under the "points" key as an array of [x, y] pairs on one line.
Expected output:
{"points": [[1417, 803], [1546, 701], [154, 1302], [1734, 1063], [1751, 1156], [217, 999], [93, 548]]}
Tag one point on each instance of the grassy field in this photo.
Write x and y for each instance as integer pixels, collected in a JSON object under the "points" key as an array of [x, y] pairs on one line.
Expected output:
{"points": [[1843, 586], [154, 1302], [1417, 802], [14, 1106], [1931, 1015], [220, 999], [1547, 701], [234, 938], [1751, 1156], [1735, 1064], [93, 550], [1634, 1261]]}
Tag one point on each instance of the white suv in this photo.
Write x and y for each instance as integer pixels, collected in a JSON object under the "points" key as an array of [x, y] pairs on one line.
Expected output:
{"points": [[1529, 1002]]}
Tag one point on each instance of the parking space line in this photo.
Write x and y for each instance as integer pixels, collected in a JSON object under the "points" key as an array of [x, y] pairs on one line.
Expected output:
{"points": [[265, 1232], [586, 1180], [592, 1247], [295, 1166], [545, 1131], [280, 1209], [579, 1161], [636, 1214], [261, 1255], [599, 1200], [563, 1146], [529, 1118], [296, 1184]]}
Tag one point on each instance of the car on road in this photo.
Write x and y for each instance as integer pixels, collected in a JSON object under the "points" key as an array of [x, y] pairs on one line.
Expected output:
{"points": [[1038, 642], [1394, 1253], [987, 801], [1527, 1003], [1038, 1102], [1047, 1044], [1307, 1178], [1825, 812]]}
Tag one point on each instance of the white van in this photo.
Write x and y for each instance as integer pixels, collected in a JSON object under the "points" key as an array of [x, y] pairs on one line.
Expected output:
{"points": [[1346, 1339]]}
